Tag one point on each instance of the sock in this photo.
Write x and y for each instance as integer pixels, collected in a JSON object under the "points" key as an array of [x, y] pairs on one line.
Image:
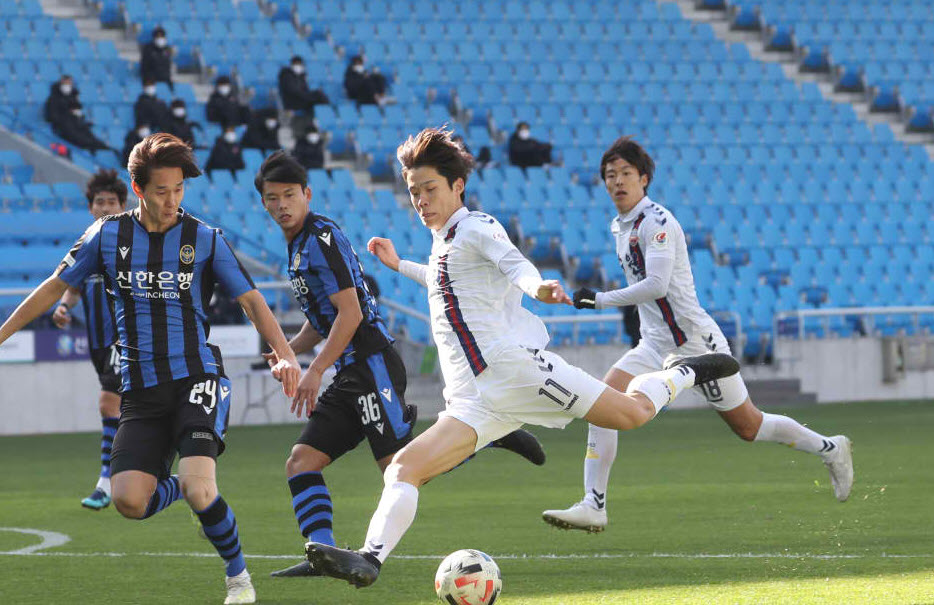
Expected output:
{"points": [[103, 484], [167, 492], [790, 432], [601, 452], [662, 387], [392, 519], [312, 504], [107, 441], [220, 526]]}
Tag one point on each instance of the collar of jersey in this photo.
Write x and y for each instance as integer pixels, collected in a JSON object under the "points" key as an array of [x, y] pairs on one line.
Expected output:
{"points": [[133, 213], [635, 212], [458, 215]]}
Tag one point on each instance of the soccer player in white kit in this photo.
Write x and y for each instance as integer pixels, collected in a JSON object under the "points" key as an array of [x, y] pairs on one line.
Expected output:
{"points": [[652, 251], [496, 370]]}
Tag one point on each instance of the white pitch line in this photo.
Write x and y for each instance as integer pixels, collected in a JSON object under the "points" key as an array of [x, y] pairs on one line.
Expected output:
{"points": [[50, 539], [557, 557]]}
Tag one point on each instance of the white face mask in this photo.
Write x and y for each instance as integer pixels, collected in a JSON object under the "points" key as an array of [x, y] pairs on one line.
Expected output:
{"points": [[524, 134], [160, 42], [298, 68], [271, 124], [144, 132], [65, 89], [178, 112], [224, 89], [358, 69], [230, 137], [149, 90], [77, 113], [313, 137]]}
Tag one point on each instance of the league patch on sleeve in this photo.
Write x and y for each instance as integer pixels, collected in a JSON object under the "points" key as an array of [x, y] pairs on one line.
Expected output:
{"points": [[660, 240]]}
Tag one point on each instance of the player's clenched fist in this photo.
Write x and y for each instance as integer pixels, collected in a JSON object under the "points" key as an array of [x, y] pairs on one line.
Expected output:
{"points": [[383, 249]]}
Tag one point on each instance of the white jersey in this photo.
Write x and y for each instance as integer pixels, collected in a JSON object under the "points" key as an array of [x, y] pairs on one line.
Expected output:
{"points": [[650, 229], [476, 311]]}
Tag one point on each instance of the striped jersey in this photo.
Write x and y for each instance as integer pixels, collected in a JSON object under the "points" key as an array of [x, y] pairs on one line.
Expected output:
{"points": [[651, 229], [322, 263], [98, 313], [160, 285], [476, 311]]}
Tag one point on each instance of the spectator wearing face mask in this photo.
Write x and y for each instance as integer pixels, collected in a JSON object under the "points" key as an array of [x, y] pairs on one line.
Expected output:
{"points": [[363, 86], [224, 107], [156, 61], [294, 90], [134, 136], [226, 153], [178, 123], [309, 150], [63, 95], [524, 151], [150, 109], [75, 129], [262, 132]]}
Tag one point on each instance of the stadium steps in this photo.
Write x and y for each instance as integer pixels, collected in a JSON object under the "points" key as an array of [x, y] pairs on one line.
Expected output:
{"points": [[779, 391], [756, 43]]}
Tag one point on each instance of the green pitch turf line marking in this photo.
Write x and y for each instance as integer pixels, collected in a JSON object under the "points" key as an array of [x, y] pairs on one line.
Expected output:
{"points": [[654, 555]]}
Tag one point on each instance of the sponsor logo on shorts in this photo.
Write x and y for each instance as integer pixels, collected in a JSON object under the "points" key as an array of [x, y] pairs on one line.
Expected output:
{"points": [[202, 435]]}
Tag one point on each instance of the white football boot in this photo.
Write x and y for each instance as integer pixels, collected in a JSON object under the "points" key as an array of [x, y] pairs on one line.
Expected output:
{"points": [[581, 516], [240, 589], [840, 464]]}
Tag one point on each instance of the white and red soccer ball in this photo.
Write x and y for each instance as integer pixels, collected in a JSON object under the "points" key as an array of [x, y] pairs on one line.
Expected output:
{"points": [[468, 577]]}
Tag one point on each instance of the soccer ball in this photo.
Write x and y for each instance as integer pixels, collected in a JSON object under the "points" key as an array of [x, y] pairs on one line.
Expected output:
{"points": [[468, 577]]}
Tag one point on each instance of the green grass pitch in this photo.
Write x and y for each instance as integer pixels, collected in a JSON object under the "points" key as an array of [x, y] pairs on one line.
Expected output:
{"points": [[696, 516]]}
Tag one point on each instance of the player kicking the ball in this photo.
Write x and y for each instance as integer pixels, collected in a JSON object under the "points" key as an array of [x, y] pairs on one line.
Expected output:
{"points": [[496, 370], [652, 251]]}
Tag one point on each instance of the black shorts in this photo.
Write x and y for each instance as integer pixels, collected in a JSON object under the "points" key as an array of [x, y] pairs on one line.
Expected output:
{"points": [[107, 365], [187, 416], [366, 399]]}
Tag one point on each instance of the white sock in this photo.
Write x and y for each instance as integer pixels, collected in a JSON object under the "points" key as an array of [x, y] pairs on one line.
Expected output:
{"points": [[392, 519], [103, 483], [601, 452], [790, 432], [662, 387]]}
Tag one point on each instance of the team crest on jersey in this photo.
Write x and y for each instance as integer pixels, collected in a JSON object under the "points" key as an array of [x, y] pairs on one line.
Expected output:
{"points": [[660, 240], [187, 254], [296, 261]]}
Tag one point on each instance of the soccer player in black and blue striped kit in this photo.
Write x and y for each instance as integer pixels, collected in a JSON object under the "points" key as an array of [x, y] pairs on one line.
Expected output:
{"points": [[160, 265], [367, 397], [106, 195]]}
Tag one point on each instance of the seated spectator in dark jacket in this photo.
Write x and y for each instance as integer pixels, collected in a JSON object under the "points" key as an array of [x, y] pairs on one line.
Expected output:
{"points": [[134, 136], [150, 109], [294, 90], [524, 151], [178, 123], [364, 87], [156, 61], [63, 95], [75, 129], [262, 132], [224, 107], [309, 150], [226, 153]]}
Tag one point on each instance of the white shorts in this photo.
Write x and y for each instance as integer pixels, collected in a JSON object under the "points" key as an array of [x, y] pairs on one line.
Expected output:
{"points": [[525, 386], [723, 395]]}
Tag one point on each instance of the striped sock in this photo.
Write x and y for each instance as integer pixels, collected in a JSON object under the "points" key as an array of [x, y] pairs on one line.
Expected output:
{"points": [[220, 526], [167, 492], [312, 504], [107, 441]]}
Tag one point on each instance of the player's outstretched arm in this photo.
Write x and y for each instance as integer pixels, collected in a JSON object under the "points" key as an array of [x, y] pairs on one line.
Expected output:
{"points": [[35, 305], [385, 251], [287, 369], [62, 315], [306, 340]]}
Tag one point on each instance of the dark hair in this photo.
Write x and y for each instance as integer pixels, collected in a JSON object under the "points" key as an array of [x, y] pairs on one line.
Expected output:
{"points": [[177, 103], [296, 59], [158, 31], [106, 181], [434, 147], [280, 167], [626, 149], [222, 80], [356, 60], [161, 150]]}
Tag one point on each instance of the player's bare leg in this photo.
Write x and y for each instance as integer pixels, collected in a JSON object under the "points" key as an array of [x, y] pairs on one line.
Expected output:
{"points": [[442, 447], [751, 424]]}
